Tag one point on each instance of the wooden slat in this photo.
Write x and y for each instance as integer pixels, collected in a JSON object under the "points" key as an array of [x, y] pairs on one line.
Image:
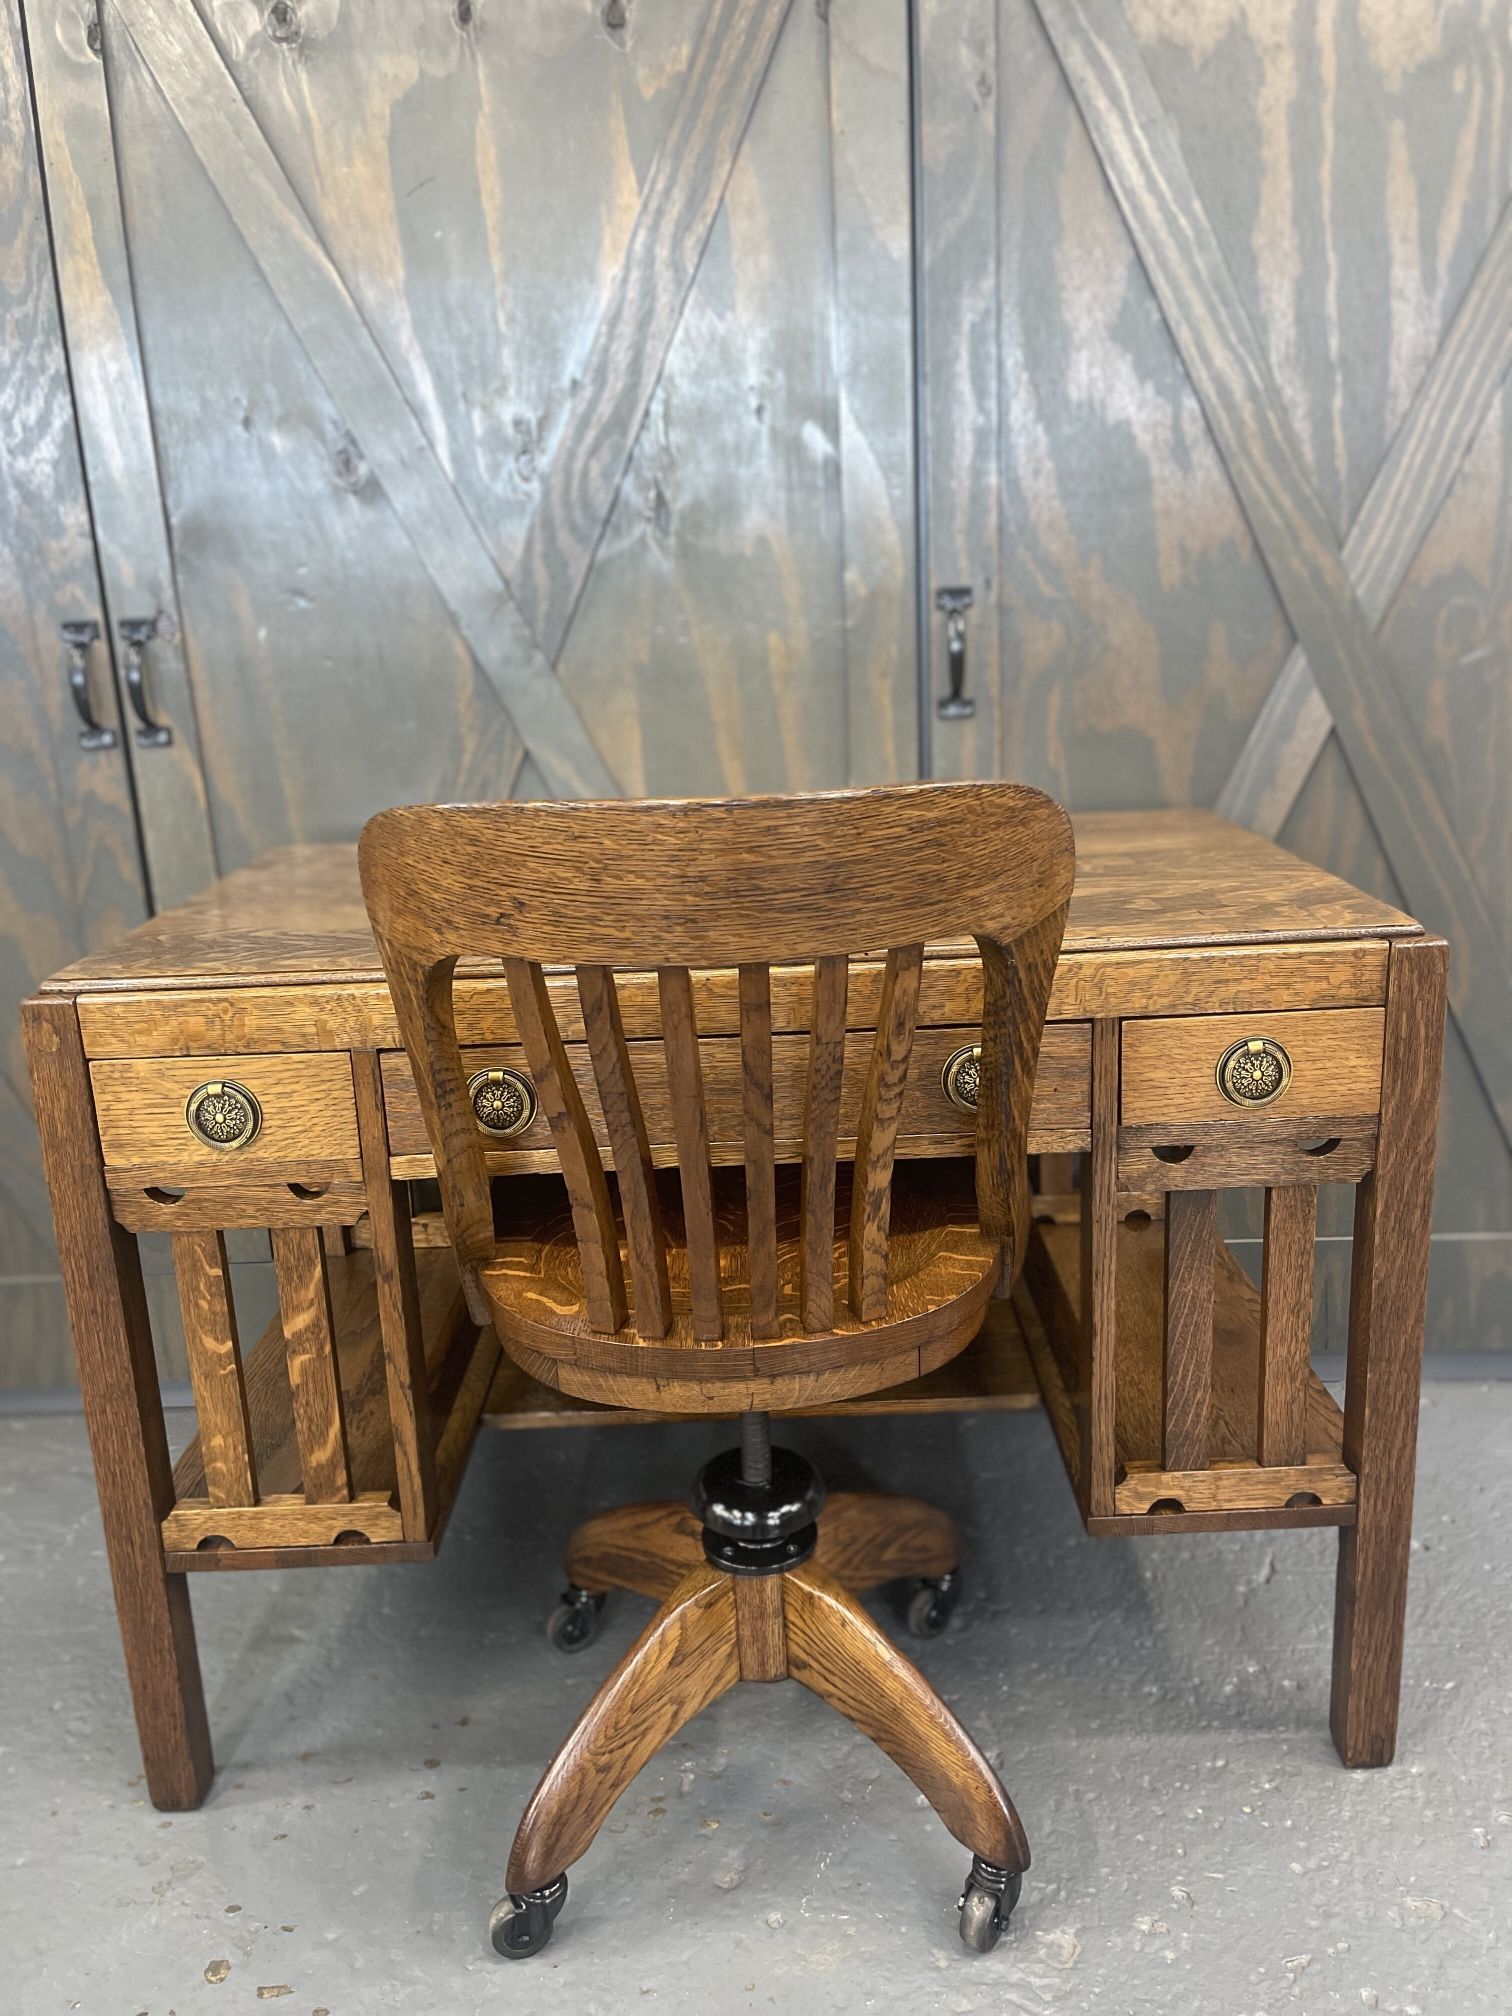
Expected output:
{"points": [[1237, 1487], [1405, 496], [760, 1172], [1225, 361], [203, 96], [562, 1103], [619, 1102], [821, 1132], [1286, 1311], [215, 1367], [613, 387], [690, 1128], [1094, 1388], [1191, 1236], [399, 1317], [304, 1301], [281, 1522], [877, 1133]]}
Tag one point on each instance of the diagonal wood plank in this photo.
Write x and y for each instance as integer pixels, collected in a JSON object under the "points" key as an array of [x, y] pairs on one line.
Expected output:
{"points": [[1401, 504], [203, 96], [682, 197], [1171, 231]]}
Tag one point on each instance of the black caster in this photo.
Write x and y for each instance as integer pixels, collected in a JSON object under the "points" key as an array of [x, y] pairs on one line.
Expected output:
{"points": [[987, 1904], [521, 1922], [575, 1621], [933, 1604]]}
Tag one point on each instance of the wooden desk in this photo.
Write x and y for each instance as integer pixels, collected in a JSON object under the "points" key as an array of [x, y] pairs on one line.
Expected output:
{"points": [[1181, 1397]]}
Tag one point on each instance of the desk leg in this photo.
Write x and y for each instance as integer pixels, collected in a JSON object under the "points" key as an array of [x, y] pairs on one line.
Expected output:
{"points": [[1387, 1301], [107, 1309]]}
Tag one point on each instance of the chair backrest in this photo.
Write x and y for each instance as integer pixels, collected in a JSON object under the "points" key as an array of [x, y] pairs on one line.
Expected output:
{"points": [[689, 884]]}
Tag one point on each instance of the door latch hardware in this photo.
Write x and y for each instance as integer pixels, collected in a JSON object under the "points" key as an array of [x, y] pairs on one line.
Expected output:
{"points": [[137, 632], [79, 637], [952, 603]]}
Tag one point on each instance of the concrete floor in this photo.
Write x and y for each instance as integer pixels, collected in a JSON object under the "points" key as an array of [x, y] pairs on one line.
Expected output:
{"points": [[1158, 1708]]}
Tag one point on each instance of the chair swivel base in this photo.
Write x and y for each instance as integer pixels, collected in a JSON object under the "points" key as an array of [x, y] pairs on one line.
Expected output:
{"points": [[781, 1606]]}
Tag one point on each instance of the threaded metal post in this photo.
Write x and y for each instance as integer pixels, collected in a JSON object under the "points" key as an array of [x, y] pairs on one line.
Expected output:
{"points": [[755, 1449]]}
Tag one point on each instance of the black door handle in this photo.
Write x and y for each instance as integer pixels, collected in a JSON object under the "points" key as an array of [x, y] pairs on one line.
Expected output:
{"points": [[957, 704], [137, 632], [79, 636]]}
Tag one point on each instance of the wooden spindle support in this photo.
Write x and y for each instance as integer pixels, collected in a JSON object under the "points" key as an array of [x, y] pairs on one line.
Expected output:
{"points": [[760, 1169], [1191, 1236], [620, 1104], [215, 1367], [877, 1133], [690, 1128], [821, 1135], [1286, 1313], [304, 1301]]}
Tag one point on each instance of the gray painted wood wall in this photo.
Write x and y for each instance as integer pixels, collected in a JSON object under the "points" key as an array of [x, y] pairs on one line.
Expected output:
{"points": [[579, 395]]}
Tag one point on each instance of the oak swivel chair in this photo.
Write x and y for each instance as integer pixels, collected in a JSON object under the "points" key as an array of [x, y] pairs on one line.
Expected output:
{"points": [[826, 1272]]}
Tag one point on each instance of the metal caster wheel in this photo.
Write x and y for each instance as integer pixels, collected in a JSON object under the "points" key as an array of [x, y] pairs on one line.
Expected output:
{"points": [[987, 1904], [933, 1604], [522, 1921], [575, 1621]]}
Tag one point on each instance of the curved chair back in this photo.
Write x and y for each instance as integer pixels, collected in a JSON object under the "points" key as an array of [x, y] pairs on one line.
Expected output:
{"points": [[683, 885]]}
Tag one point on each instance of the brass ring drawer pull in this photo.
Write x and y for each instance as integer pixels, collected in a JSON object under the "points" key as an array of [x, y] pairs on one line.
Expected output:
{"points": [[961, 1076], [223, 1114], [1254, 1071], [503, 1100]]}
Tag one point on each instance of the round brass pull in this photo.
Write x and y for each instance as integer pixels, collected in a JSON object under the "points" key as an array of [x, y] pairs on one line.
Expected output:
{"points": [[223, 1114], [504, 1100], [961, 1076], [1254, 1071]]}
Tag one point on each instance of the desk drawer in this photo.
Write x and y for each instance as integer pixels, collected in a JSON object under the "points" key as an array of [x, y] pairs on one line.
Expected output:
{"points": [[931, 1124], [303, 1108], [1222, 1067]]}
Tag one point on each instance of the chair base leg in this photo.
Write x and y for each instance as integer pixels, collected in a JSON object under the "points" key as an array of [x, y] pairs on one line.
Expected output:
{"points": [[713, 1628]]}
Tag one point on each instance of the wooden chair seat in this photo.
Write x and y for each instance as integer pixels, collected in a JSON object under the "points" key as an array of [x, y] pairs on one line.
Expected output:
{"points": [[941, 1272]]}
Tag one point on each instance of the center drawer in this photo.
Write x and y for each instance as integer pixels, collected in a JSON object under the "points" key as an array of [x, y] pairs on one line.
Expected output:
{"points": [[931, 1124]]}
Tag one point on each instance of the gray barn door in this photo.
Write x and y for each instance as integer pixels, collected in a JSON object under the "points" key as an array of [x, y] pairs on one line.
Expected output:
{"points": [[527, 389], [1217, 320], [70, 872]]}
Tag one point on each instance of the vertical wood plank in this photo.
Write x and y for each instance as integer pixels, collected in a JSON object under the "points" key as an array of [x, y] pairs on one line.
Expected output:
{"points": [[1191, 1238], [821, 1134], [102, 1278], [620, 1103], [760, 1169], [215, 1366], [304, 1301], [690, 1130], [1387, 1301], [577, 1152], [760, 1626], [871, 188], [1096, 1383], [1286, 1313], [398, 1306], [958, 82], [877, 1132]]}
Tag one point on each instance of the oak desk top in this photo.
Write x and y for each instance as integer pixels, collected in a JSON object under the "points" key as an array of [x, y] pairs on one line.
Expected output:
{"points": [[1145, 881]]}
